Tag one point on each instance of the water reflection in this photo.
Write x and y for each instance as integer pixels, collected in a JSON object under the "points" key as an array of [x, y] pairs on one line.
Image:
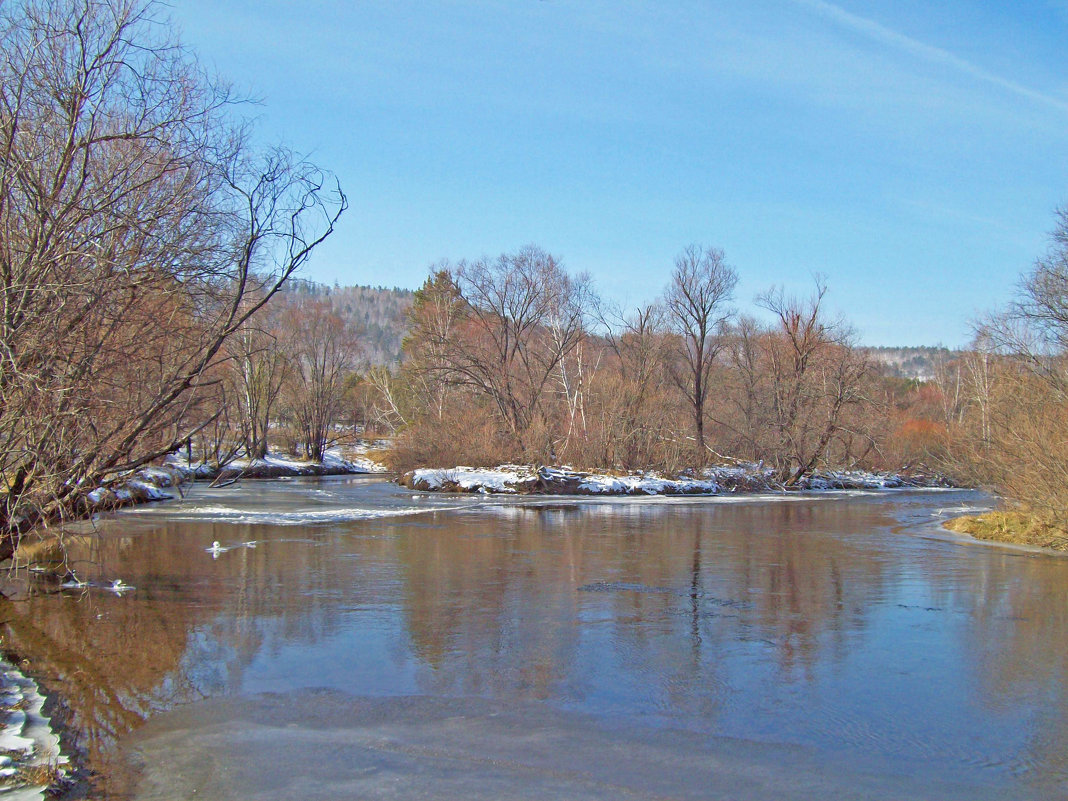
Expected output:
{"points": [[813, 622]]}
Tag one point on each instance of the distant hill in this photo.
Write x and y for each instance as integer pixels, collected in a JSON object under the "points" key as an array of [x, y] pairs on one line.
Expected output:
{"points": [[914, 362], [380, 313]]}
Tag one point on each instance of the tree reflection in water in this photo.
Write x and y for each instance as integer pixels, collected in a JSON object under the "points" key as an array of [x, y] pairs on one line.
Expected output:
{"points": [[809, 621]]}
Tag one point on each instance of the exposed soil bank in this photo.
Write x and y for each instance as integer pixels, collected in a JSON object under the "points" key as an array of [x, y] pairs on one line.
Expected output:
{"points": [[542, 480]]}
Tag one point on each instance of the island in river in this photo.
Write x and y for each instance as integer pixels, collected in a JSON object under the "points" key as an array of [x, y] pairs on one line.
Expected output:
{"points": [[546, 480]]}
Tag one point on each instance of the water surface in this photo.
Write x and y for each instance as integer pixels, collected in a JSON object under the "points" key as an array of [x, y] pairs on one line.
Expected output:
{"points": [[358, 641]]}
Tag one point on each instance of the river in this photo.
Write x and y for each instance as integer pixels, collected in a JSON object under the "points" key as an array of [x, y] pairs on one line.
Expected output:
{"points": [[349, 639]]}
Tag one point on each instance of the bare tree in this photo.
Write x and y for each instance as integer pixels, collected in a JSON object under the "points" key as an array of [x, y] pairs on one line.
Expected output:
{"points": [[696, 301], [385, 405], [136, 227], [814, 374], [948, 377], [1033, 329], [636, 418], [1014, 425], [521, 315], [744, 413], [259, 366]]}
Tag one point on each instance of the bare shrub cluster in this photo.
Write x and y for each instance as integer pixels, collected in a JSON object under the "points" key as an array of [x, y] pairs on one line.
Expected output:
{"points": [[1010, 430], [288, 380]]}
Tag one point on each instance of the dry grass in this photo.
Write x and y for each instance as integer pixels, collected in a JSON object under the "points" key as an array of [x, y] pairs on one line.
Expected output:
{"points": [[1012, 526], [377, 454], [464, 436], [43, 775]]}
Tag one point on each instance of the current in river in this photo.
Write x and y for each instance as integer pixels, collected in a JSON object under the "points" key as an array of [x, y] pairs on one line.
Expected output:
{"points": [[350, 639]]}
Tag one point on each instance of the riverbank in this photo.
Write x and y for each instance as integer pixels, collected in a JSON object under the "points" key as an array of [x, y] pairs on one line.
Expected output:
{"points": [[543, 480], [1017, 528]]}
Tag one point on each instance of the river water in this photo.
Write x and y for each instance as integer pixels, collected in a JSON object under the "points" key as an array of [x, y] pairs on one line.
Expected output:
{"points": [[354, 640]]}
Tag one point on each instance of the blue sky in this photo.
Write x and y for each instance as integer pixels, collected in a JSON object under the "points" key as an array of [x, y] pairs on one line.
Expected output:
{"points": [[912, 152]]}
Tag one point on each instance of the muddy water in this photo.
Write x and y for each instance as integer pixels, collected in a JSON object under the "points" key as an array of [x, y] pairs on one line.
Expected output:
{"points": [[354, 641]]}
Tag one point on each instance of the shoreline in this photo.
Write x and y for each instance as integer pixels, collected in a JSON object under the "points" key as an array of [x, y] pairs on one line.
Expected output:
{"points": [[1010, 527], [41, 758], [546, 481]]}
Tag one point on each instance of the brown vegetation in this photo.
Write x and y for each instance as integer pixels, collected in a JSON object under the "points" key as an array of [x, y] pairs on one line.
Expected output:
{"points": [[1007, 406], [145, 254]]}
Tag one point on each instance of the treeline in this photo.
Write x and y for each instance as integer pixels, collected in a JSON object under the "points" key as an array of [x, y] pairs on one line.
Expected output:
{"points": [[919, 362], [515, 359], [146, 269]]}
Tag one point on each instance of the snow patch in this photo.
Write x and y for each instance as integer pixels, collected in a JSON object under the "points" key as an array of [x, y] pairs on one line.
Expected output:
{"points": [[710, 481], [524, 478], [502, 479], [151, 491]]}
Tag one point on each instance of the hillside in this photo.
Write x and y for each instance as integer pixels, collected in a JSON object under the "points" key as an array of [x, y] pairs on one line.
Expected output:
{"points": [[380, 314], [911, 362]]}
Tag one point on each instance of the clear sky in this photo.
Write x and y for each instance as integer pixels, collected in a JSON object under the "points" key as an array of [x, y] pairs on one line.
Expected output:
{"points": [[911, 151]]}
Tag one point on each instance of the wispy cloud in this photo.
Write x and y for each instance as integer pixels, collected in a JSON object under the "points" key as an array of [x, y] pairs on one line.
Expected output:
{"points": [[887, 36]]}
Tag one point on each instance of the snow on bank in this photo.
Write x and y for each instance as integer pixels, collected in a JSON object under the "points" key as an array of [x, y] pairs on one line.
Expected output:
{"points": [[561, 480], [506, 478], [278, 466], [361, 455], [148, 484], [30, 757], [858, 479], [162, 483], [528, 479]]}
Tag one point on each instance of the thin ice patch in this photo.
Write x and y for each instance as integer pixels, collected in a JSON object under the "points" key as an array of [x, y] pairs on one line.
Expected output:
{"points": [[303, 517], [27, 740]]}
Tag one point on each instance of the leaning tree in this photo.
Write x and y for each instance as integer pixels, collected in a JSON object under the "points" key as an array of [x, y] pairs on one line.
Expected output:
{"points": [[138, 231]]}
